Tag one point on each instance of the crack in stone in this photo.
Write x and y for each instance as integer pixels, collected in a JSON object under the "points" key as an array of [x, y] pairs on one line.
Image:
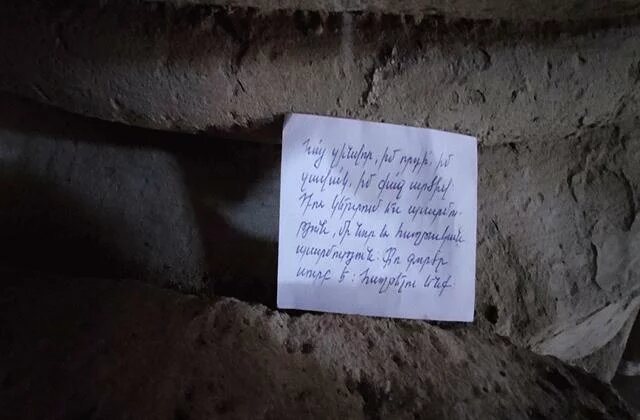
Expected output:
{"points": [[630, 220], [594, 265]]}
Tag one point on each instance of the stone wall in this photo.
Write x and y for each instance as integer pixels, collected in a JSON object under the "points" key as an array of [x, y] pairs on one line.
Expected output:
{"points": [[90, 198], [553, 102]]}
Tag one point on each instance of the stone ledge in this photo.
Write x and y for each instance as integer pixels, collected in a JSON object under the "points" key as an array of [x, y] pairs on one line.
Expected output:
{"points": [[236, 74], [106, 349], [487, 9]]}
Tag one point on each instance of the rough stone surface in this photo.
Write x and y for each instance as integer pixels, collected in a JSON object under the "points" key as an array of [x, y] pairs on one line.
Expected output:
{"points": [[565, 266], [554, 105], [557, 226], [99, 349], [486, 9], [238, 73]]}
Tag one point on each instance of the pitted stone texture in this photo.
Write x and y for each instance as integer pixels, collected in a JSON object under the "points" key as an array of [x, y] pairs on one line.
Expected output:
{"points": [[238, 72], [565, 260], [109, 349], [524, 10]]}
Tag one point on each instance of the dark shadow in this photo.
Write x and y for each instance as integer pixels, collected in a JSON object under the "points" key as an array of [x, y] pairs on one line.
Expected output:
{"points": [[242, 264], [627, 380], [104, 349], [55, 164], [46, 229]]}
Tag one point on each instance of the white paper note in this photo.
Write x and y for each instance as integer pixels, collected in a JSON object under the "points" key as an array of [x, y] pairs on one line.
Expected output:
{"points": [[377, 219]]}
